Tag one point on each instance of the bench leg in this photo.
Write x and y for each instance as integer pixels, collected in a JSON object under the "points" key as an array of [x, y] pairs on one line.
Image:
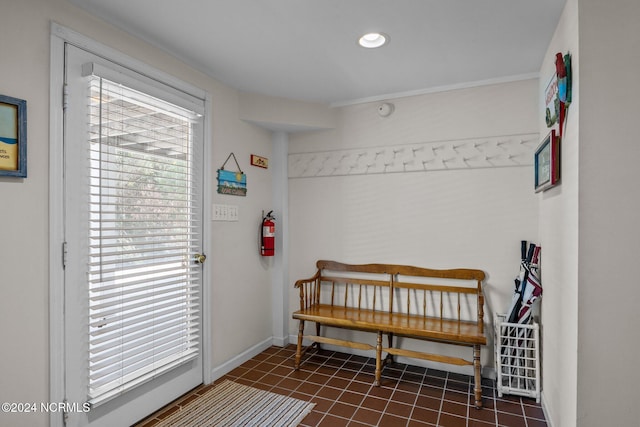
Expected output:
{"points": [[299, 348], [378, 359], [317, 344], [477, 378], [389, 359]]}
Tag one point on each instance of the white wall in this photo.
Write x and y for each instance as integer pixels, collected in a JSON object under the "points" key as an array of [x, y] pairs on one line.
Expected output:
{"points": [[285, 115], [588, 225], [608, 295], [559, 240], [471, 218], [241, 282]]}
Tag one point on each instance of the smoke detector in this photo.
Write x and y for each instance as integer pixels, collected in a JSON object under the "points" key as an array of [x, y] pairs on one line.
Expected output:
{"points": [[385, 109]]}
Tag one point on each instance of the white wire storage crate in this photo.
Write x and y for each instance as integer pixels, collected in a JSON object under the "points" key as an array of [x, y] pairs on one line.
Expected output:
{"points": [[517, 358]]}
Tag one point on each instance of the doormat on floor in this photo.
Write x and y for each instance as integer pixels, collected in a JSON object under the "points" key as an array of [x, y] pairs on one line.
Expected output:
{"points": [[229, 404]]}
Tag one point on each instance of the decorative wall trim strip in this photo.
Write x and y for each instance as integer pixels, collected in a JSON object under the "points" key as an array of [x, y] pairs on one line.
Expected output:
{"points": [[474, 153]]}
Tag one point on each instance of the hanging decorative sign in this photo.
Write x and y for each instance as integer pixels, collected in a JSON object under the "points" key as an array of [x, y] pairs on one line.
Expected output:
{"points": [[551, 101], [563, 70], [232, 183], [557, 95], [259, 161]]}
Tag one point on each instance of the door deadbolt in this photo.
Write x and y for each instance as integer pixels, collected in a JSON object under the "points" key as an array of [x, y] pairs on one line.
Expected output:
{"points": [[199, 258]]}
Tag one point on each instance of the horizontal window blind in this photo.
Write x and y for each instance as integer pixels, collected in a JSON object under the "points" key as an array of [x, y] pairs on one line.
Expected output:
{"points": [[144, 288]]}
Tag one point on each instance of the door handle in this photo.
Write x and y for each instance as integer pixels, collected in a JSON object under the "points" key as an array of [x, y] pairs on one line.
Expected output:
{"points": [[199, 258]]}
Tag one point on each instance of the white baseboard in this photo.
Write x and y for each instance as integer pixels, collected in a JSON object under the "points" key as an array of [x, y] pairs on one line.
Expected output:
{"points": [[545, 409], [249, 354], [281, 341], [233, 363]]}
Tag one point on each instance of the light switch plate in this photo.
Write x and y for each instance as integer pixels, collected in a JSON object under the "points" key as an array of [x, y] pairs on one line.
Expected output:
{"points": [[224, 212], [232, 213]]}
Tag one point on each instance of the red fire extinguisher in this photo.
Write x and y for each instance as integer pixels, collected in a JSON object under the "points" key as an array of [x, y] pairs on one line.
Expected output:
{"points": [[268, 235]]}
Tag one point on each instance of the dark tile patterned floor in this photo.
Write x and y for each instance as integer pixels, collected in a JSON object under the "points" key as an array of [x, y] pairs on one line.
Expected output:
{"points": [[341, 386]]}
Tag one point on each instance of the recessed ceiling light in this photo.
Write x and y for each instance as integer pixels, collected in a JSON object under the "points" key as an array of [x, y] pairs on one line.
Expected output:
{"points": [[373, 40]]}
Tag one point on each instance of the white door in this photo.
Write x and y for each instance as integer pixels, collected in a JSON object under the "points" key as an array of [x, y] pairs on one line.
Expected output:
{"points": [[133, 232]]}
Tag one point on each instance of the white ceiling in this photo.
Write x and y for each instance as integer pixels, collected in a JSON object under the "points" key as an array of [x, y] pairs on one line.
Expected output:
{"points": [[306, 49]]}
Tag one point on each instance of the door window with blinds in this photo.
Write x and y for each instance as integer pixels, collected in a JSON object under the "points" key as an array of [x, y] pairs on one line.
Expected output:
{"points": [[143, 231]]}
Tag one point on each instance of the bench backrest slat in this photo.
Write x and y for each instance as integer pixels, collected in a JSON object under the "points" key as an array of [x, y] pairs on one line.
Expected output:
{"points": [[333, 291], [355, 294]]}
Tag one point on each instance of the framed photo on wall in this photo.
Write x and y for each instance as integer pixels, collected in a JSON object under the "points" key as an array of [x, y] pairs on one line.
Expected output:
{"points": [[547, 162], [13, 137]]}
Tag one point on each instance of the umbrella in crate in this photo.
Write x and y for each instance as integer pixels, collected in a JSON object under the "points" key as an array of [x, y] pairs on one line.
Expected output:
{"points": [[526, 258], [531, 289], [527, 290]]}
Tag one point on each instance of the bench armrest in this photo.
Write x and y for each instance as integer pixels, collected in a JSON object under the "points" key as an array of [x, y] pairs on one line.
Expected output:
{"points": [[481, 311], [309, 290]]}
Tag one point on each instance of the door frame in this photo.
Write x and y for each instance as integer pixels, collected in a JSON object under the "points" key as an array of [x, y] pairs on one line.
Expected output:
{"points": [[59, 36]]}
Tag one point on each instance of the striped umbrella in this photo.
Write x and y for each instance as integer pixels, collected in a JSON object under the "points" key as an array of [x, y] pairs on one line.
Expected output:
{"points": [[526, 258], [528, 290]]}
